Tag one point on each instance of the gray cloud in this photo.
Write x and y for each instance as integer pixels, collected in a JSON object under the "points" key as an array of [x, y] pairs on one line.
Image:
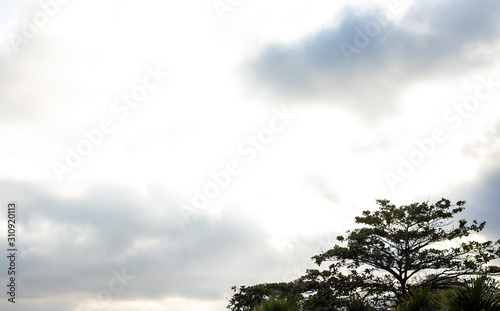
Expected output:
{"points": [[481, 193], [71, 246], [484, 146], [432, 40], [483, 202]]}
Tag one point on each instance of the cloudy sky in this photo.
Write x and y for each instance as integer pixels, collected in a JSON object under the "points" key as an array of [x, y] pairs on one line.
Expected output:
{"points": [[162, 151]]}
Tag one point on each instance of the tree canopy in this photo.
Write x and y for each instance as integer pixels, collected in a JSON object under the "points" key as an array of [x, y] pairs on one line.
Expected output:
{"points": [[392, 250], [404, 244]]}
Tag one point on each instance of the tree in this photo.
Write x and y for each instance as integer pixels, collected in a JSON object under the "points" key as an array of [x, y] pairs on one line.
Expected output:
{"points": [[393, 250], [397, 246], [247, 298]]}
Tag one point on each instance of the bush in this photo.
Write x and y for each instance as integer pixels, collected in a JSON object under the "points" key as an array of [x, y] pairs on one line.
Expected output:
{"points": [[481, 294], [278, 304], [355, 304], [420, 299]]}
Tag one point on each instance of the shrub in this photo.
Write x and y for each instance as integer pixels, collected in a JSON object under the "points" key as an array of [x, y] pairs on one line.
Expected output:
{"points": [[356, 304], [481, 294], [278, 304], [420, 299]]}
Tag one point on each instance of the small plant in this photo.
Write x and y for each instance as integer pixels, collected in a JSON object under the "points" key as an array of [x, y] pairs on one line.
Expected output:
{"points": [[420, 299], [278, 304], [481, 294], [356, 304]]}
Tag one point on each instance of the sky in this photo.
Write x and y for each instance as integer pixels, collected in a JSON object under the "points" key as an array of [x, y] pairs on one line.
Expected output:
{"points": [[160, 152]]}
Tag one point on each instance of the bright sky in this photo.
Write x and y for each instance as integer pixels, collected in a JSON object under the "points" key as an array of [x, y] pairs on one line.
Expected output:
{"points": [[162, 151]]}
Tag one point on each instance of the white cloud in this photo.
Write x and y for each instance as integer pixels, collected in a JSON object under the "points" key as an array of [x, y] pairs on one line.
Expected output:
{"points": [[123, 206]]}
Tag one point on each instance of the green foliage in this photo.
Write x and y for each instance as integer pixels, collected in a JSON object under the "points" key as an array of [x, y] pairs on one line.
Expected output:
{"points": [[420, 299], [356, 304], [393, 250], [278, 304], [481, 294], [325, 289], [402, 244], [247, 298]]}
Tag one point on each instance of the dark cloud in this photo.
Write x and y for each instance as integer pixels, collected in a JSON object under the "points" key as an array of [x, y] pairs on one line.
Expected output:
{"points": [[72, 246], [483, 202], [481, 193], [434, 39]]}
